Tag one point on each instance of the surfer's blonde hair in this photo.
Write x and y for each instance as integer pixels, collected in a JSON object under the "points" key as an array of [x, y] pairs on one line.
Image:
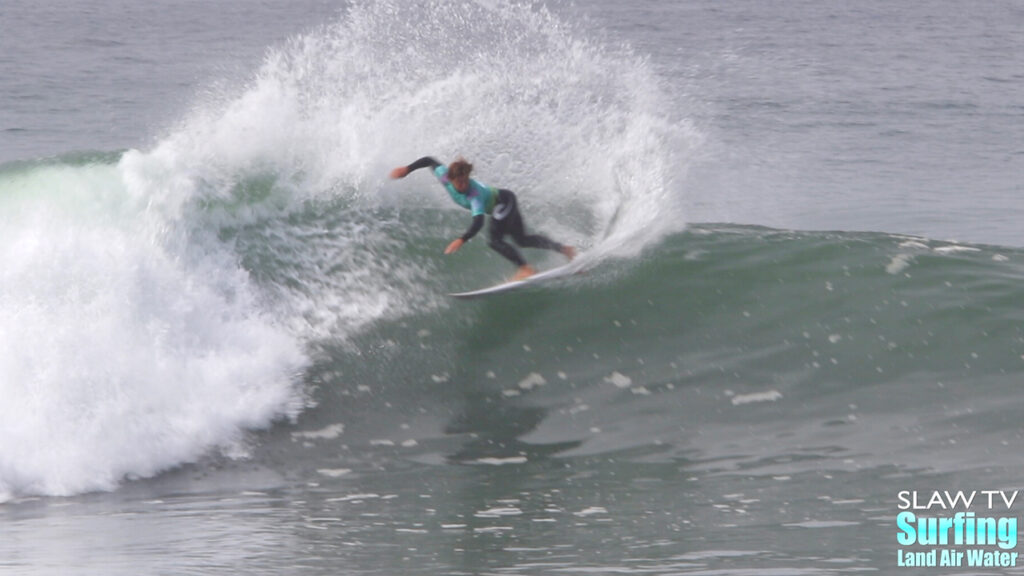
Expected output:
{"points": [[459, 168]]}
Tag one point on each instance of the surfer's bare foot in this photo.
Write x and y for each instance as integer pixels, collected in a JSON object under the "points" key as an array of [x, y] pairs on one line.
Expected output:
{"points": [[569, 252], [523, 273]]}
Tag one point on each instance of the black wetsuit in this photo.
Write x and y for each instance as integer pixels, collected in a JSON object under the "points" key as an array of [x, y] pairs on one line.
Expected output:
{"points": [[503, 207]]}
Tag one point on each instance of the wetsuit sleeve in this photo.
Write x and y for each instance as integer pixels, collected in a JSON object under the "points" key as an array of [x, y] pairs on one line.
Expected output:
{"points": [[478, 223], [425, 162]]}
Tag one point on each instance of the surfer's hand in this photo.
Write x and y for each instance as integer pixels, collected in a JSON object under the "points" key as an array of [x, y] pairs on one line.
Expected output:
{"points": [[400, 172], [454, 246]]}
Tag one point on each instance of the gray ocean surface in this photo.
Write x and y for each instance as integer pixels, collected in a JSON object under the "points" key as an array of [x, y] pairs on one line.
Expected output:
{"points": [[228, 349]]}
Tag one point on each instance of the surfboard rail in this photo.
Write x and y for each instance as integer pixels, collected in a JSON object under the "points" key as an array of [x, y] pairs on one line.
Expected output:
{"points": [[558, 272]]}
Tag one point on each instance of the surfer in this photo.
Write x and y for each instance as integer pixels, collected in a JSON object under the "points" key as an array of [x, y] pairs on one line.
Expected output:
{"points": [[501, 204]]}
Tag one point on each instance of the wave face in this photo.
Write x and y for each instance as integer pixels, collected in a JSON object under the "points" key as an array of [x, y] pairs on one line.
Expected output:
{"points": [[159, 304], [730, 348]]}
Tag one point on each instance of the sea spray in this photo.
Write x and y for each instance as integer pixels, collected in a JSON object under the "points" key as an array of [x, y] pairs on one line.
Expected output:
{"points": [[580, 129]]}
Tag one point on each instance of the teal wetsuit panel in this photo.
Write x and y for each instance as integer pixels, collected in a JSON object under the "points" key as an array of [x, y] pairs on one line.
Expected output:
{"points": [[479, 199]]}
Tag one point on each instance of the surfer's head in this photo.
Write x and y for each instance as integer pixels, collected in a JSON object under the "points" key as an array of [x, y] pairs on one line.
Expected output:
{"points": [[458, 174]]}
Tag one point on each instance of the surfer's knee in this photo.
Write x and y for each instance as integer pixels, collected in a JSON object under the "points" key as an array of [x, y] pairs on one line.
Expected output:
{"points": [[507, 251]]}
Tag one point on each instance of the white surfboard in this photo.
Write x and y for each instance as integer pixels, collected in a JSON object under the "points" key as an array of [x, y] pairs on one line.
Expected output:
{"points": [[564, 270]]}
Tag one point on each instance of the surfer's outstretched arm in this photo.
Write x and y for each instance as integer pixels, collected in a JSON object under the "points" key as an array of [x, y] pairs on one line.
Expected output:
{"points": [[478, 223], [425, 162]]}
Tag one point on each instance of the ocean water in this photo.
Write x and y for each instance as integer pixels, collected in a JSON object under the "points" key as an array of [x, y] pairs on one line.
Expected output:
{"points": [[227, 345]]}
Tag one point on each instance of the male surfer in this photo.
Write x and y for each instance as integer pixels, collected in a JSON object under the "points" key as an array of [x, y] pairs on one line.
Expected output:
{"points": [[480, 200]]}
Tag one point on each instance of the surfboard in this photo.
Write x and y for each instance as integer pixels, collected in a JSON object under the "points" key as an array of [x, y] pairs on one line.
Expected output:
{"points": [[559, 272]]}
